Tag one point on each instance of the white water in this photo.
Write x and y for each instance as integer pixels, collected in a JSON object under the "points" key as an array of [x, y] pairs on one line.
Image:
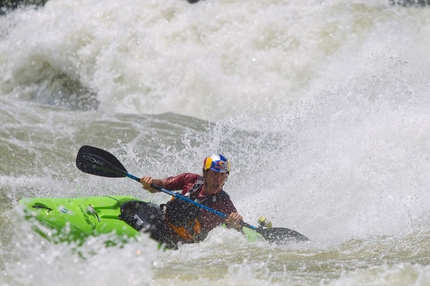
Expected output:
{"points": [[215, 58], [322, 107]]}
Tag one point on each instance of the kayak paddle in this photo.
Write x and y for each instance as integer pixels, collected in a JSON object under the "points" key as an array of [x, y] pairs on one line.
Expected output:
{"points": [[99, 162]]}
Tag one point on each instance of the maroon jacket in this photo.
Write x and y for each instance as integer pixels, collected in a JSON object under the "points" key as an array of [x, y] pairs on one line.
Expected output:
{"points": [[220, 202]]}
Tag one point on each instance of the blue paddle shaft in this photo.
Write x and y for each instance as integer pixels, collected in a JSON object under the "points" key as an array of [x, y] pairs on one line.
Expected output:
{"points": [[176, 195], [133, 177]]}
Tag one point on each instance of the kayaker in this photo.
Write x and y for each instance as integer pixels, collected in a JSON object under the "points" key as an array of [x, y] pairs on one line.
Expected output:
{"points": [[188, 222]]}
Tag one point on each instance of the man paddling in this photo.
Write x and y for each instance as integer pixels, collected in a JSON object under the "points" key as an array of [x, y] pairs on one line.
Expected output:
{"points": [[177, 222], [181, 222]]}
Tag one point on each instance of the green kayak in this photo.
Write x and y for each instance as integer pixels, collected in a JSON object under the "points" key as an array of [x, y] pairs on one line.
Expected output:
{"points": [[73, 220]]}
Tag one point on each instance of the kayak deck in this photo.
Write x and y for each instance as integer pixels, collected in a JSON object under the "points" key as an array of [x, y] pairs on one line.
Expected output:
{"points": [[76, 219]]}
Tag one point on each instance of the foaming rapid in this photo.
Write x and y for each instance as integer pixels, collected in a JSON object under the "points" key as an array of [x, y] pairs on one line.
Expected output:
{"points": [[209, 60], [321, 106]]}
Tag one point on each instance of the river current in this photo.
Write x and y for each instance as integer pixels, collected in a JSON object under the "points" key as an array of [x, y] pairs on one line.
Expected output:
{"points": [[322, 107]]}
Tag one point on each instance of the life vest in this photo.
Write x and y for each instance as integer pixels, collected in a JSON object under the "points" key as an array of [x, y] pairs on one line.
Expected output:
{"points": [[183, 217]]}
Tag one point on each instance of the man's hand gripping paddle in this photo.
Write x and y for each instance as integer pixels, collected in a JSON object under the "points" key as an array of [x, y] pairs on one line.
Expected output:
{"points": [[99, 162]]}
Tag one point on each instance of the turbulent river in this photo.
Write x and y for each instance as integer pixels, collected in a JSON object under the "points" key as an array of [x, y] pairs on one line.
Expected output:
{"points": [[322, 107]]}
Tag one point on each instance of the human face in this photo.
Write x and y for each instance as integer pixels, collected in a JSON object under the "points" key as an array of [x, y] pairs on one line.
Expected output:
{"points": [[214, 182]]}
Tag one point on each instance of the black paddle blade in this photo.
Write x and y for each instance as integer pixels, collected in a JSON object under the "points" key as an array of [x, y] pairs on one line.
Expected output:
{"points": [[281, 235], [99, 162]]}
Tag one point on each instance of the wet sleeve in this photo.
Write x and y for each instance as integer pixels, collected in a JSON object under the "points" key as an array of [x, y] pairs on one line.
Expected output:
{"points": [[179, 182]]}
